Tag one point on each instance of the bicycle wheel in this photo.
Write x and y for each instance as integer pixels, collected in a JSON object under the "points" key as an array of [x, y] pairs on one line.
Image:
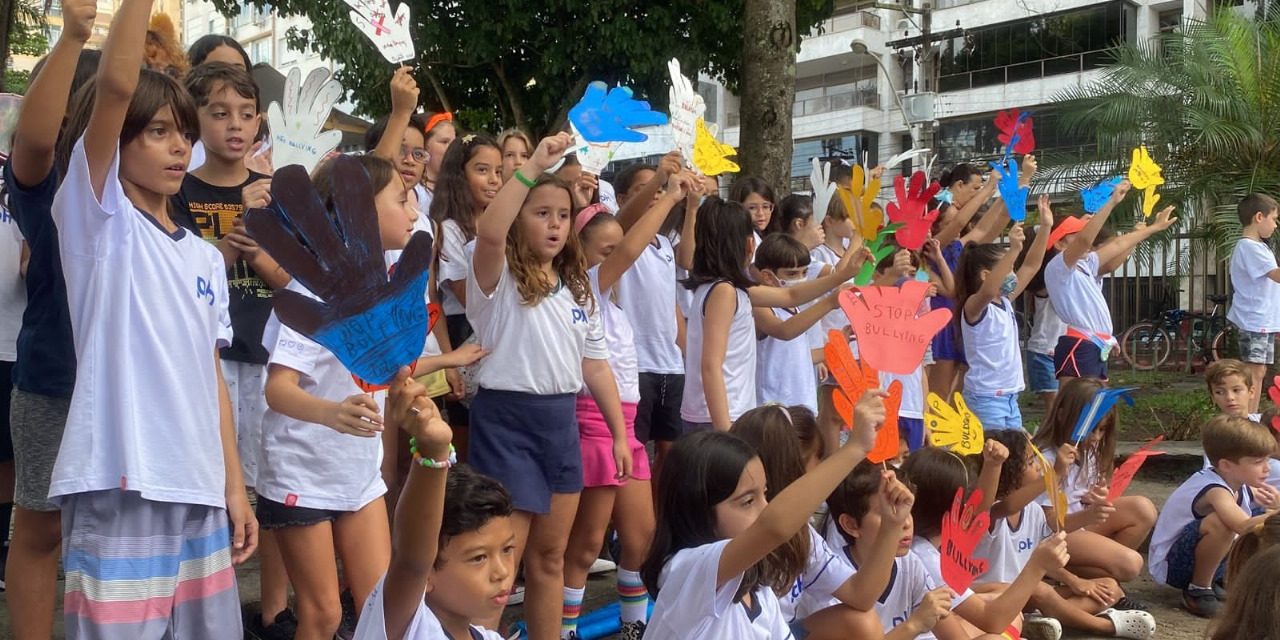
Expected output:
{"points": [[1225, 344], [1145, 346]]}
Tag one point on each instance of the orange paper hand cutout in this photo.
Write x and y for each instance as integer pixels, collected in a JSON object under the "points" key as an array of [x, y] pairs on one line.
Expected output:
{"points": [[891, 335], [886, 446], [855, 378]]}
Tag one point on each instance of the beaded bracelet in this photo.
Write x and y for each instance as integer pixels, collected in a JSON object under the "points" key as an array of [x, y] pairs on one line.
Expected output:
{"points": [[428, 462], [525, 180]]}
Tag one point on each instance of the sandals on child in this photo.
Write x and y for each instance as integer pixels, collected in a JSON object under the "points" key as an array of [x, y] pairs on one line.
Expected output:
{"points": [[1138, 625]]}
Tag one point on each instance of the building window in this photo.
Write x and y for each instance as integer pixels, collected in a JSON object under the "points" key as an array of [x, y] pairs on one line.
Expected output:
{"points": [[260, 50], [1169, 21], [709, 97], [213, 25], [973, 138], [824, 93], [1067, 42], [849, 146], [55, 8]]}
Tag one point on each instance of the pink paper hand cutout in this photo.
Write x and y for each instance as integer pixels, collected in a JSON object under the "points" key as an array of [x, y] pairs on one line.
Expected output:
{"points": [[892, 337]]}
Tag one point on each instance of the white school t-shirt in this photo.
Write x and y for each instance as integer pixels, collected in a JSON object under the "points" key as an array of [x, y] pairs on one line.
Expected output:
{"points": [[739, 367], [455, 262], [909, 582], [1008, 548], [690, 607], [1178, 513], [991, 347], [536, 348], [1255, 304], [13, 289], [424, 203], [912, 405], [784, 369], [621, 339], [932, 559], [836, 318], [1077, 294], [299, 466], [1046, 327], [648, 293], [1273, 473], [148, 312], [424, 626], [815, 589]]}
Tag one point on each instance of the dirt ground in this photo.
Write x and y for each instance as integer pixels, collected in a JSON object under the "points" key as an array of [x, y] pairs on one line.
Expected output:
{"points": [[1157, 483]]}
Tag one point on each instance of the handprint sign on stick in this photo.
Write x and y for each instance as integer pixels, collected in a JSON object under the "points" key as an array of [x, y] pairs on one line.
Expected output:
{"points": [[612, 115], [956, 429], [1125, 473], [710, 156], [389, 32], [823, 189], [295, 129], [372, 323], [892, 335], [1145, 175], [963, 527], [1016, 132], [853, 377], [1011, 189], [1098, 408], [593, 156], [911, 210], [687, 108], [1053, 489], [865, 185], [1098, 195], [887, 439], [879, 246], [904, 156], [1274, 394]]}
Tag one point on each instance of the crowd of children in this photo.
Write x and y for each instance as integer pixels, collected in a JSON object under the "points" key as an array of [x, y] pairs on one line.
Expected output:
{"points": [[166, 424]]}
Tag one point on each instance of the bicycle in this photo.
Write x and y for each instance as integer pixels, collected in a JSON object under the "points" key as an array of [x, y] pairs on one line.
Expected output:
{"points": [[1209, 336]]}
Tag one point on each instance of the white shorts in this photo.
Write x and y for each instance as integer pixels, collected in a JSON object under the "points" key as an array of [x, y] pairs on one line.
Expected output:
{"points": [[246, 384]]}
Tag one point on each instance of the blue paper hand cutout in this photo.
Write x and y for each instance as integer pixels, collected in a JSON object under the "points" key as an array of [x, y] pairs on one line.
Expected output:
{"points": [[1096, 197], [1011, 190], [611, 115], [1098, 408], [372, 323]]}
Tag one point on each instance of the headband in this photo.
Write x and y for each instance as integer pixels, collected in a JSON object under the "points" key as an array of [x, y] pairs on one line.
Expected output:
{"points": [[588, 212], [436, 119]]}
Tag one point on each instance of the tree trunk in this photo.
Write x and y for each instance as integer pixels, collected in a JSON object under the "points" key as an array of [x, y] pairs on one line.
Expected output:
{"points": [[513, 99], [435, 86], [8, 10], [768, 90]]}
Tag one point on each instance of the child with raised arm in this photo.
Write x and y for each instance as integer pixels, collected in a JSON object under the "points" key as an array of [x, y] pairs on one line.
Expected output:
{"points": [[1255, 281], [148, 303], [1074, 280], [452, 545], [1203, 516]]}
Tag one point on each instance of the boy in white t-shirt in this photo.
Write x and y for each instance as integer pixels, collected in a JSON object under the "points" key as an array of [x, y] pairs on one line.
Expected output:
{"points": [[1255, 277], [1231, 384], [452, 546]]}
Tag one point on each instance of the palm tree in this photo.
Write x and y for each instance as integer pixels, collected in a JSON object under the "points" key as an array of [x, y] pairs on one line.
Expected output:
{"points": [[1206, 102]]}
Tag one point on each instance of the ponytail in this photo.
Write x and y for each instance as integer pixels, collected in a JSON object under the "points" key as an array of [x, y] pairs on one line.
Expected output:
{"points": [[1260, 538]]}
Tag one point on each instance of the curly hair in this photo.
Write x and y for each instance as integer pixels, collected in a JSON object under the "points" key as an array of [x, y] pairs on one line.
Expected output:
{"points": [[570, 264], [162, 51]]}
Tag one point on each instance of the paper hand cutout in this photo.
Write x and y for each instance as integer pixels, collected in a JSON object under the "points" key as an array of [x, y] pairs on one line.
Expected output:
{"points": [[823, 189], [593, 156], [390, 33], [295, 128], [891, 336], [864, 187], [1011, 189], [687, 108], [956, 429], [903, 157], [1016, 131], [1124, 474], [879, 246], [1057, 497], [887, 439], [854, 378], [870, 222], [10, 105], [710, 156], [372, 323], [1098, 195], [1274, 394], [963, 527], [1099, 407], [611, 115], [912, 210], [1145, 175]]}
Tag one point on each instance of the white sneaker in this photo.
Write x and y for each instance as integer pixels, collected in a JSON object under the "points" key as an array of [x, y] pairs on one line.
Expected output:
{"points": [[1038, 627], [602, 566], [1138, 625]]}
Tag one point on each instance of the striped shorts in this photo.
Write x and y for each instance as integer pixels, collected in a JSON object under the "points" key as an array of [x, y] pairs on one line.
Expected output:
{"points": [[141, 570]]}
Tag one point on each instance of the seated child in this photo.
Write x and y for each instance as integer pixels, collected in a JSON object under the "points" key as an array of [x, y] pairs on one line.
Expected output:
{"points": [[452, 547], [1231, 384], [1204, 515], [1018, 524]]}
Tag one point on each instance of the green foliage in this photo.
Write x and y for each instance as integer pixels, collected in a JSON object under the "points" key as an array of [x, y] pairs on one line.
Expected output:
{"points": [[509, 63], [1170, 404], [1206, 102]]}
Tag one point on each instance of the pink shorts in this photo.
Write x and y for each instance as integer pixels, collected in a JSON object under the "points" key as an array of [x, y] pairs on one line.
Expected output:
{"points": [[598, 468]]}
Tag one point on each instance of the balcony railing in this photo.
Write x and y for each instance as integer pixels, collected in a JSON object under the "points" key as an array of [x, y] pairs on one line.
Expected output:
{"points": [[824, 104], [849, 21], [1075, 63]]}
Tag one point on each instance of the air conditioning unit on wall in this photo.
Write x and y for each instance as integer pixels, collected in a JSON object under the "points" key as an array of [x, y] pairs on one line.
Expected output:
{"points": [[918, 107]]}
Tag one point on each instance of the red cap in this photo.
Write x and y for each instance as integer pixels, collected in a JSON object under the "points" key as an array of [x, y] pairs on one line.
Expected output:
{"points": [[1066, 227]]}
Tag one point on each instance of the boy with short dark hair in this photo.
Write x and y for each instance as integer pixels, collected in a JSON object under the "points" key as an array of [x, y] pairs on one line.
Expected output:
{"points": [[1203, 516], [452, 545], [1231, 385], [1255, 278]]}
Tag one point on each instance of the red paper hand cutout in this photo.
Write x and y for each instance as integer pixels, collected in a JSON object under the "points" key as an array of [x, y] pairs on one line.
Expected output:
{"points": [[912, 210], [886, 446], [1125, 473], [1016, 129], [891, 336], [962, 528], [855, 378]]}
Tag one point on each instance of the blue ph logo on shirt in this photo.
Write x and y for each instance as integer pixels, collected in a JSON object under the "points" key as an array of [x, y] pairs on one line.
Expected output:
{"points": [[204, 290], [579, 315], [1025, 544]]}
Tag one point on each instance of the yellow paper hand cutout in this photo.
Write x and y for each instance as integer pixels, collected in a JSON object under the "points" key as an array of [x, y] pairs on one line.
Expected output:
{"points": [[1149, 200], [956, 429], [1057, 498], [711, 156], [1144, 172]]}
